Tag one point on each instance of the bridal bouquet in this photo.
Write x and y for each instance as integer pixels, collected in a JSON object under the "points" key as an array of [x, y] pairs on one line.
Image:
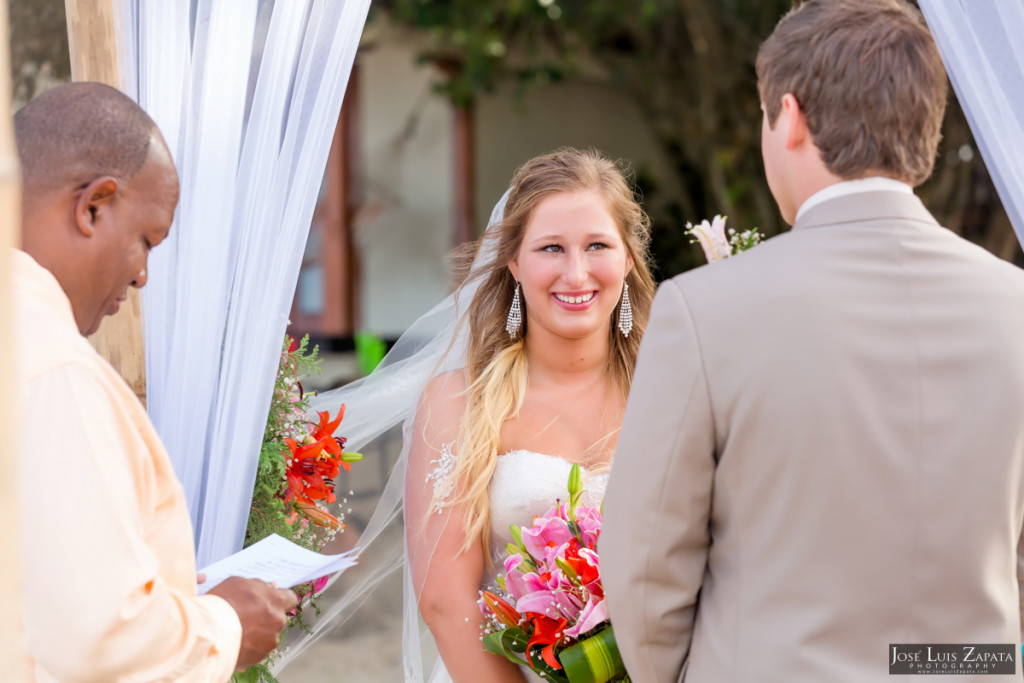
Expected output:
{"points": [[549, 610], [719, 243]]}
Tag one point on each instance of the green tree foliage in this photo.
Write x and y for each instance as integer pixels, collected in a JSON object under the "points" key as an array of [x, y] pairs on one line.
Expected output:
{"points": [[689, 66]]}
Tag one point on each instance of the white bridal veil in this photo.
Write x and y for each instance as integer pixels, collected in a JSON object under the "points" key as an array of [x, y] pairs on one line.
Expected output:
{"points": [[434, 344], [985, 59]]}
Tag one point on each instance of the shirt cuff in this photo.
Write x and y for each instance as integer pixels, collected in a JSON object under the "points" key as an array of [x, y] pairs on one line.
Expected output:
{"points": [[226, 630]]}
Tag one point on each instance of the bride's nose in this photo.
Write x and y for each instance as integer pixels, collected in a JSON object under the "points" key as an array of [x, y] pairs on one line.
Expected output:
{"points": [[575, 274]]}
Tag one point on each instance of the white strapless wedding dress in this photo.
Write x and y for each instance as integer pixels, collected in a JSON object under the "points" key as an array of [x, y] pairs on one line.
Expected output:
{"points": [[527, 484]]}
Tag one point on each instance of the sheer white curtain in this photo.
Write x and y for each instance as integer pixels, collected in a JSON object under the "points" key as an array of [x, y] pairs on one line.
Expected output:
{"points": [[247, 94], [981, 44]]}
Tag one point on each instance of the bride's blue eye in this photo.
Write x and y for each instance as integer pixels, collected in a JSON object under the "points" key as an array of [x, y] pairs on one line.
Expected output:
{"points": [[598, 246], [552, 248]]}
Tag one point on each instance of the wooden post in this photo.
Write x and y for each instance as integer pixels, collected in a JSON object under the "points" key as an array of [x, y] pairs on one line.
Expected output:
{"points": [[11, 655], [93, 48]]}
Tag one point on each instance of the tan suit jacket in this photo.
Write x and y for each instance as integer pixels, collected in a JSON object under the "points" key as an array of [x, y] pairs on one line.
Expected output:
{"points": [[822, 455]]}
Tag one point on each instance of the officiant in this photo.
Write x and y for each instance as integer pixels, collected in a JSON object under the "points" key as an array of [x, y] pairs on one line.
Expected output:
{"points": [[107, 558]]}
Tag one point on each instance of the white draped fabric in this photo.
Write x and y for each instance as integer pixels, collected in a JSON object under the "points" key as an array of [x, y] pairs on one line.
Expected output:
{"points": [[981, 45], [247, 94]]}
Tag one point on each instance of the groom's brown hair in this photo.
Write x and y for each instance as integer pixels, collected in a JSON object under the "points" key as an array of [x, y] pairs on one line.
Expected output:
{"points": [[869, 80]]}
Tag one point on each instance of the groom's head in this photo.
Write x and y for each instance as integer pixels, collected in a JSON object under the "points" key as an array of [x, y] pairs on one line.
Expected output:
{"points": [[863, 79]]}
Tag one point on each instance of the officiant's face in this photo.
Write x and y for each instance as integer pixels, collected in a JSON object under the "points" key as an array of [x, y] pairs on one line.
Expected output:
{"points": [[127, 220], [571, 265]]}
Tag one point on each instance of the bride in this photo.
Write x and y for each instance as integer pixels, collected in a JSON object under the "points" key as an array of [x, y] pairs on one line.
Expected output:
{"points": [[554, 325]]}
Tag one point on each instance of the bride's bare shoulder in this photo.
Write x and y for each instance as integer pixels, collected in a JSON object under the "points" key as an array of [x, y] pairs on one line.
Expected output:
{"points": [[447, 387], [442, 405]]}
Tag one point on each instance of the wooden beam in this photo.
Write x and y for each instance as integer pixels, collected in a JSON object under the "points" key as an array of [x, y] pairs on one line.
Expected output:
{"points": [[334, 217], [465, 174], [93, 48], [91, 41], [348, 291], [14, 663]]}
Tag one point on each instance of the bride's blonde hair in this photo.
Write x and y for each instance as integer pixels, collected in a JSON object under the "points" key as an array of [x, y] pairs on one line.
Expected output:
{"points": [[496, 364]]}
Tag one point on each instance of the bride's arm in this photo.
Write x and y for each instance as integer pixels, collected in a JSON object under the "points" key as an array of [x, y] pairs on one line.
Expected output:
{"points": [[446, 581]]}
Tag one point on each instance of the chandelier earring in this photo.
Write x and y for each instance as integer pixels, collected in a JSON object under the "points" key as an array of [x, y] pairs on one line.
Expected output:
{"points": [[515, 315], [625, 312]]}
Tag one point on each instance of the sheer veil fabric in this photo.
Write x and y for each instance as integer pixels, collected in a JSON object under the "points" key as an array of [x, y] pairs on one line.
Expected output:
{"points": [[433, 346], [247, 95], [984, 56], [987, 69]]}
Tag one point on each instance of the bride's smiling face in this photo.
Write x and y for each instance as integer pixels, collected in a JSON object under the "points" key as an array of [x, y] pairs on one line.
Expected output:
{"points": [[571, 265]]}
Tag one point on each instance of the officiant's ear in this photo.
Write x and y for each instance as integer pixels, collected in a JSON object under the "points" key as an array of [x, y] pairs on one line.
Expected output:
{"points": [[792, 116], [93, 201]]}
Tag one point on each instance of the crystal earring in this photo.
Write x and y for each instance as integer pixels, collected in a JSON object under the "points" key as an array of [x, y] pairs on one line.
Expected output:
{"points": [[515, 315], [625, 312]]}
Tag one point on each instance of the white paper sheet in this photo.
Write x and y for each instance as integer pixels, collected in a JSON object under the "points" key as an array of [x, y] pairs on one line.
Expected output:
{"points": [[275, 559]]}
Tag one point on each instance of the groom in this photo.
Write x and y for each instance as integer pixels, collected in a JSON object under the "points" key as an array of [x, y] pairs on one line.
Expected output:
{"points": [[823, 453]]}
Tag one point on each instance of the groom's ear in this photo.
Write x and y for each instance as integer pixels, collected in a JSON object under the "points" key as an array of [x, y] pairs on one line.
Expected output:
{"points": [[796, 123]]}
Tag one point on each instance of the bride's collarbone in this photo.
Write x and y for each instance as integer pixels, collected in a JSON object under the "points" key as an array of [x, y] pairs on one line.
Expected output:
{"points": [[588, 445], [576, 426]]}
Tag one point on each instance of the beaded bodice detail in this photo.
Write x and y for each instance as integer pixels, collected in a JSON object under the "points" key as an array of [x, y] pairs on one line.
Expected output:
{"points": [[441, 467]]}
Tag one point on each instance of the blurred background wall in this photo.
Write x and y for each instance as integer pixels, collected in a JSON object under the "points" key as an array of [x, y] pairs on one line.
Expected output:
{"points": [[449, 97]]}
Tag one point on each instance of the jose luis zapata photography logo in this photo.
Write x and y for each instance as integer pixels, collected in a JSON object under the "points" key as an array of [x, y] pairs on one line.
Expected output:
{"points": [[970, 659]]}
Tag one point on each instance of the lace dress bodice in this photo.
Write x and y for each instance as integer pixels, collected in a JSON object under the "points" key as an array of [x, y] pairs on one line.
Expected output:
{"points": [[527, 484]]}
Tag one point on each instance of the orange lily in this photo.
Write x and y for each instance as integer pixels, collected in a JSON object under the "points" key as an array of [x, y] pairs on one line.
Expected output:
{"points": [[311, 473], [504, 611], [546, 632], [320, 516], [324, 431]]}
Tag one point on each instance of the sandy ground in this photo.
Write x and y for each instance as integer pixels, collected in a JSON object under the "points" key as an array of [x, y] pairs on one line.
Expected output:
{"points": [[366, 650]]}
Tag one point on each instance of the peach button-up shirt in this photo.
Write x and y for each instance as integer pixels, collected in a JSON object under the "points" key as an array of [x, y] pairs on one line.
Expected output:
{"points": [[107, 561]]}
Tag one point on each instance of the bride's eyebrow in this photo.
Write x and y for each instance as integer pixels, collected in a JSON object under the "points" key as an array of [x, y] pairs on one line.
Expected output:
{"points": [[596, 235]]}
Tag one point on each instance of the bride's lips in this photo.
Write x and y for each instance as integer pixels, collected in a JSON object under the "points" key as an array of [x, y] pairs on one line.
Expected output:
{"points": [[589, 297]]}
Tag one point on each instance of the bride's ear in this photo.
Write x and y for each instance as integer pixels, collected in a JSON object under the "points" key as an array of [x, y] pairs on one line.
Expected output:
{"points": [[513, 267]]}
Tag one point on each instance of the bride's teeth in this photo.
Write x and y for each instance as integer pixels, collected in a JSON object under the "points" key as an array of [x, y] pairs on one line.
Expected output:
{"points": [[575, 299]]}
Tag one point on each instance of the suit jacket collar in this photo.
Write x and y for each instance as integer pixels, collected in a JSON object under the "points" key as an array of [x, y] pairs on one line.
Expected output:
{"points": [[865, 206]]}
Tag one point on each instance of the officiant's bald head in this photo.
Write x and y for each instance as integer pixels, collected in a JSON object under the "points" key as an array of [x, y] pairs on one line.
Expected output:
{"points": [[79, 131], [99, 191]]}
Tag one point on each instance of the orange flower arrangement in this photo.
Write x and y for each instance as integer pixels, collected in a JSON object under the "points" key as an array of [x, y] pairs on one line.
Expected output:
{"points": [[312, 466]]}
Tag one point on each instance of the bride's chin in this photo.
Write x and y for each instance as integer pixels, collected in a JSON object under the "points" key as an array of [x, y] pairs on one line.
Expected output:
{"points": [[578, 332]]}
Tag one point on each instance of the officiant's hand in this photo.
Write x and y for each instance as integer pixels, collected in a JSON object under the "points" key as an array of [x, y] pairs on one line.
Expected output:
{"points": [[261, 608]]}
